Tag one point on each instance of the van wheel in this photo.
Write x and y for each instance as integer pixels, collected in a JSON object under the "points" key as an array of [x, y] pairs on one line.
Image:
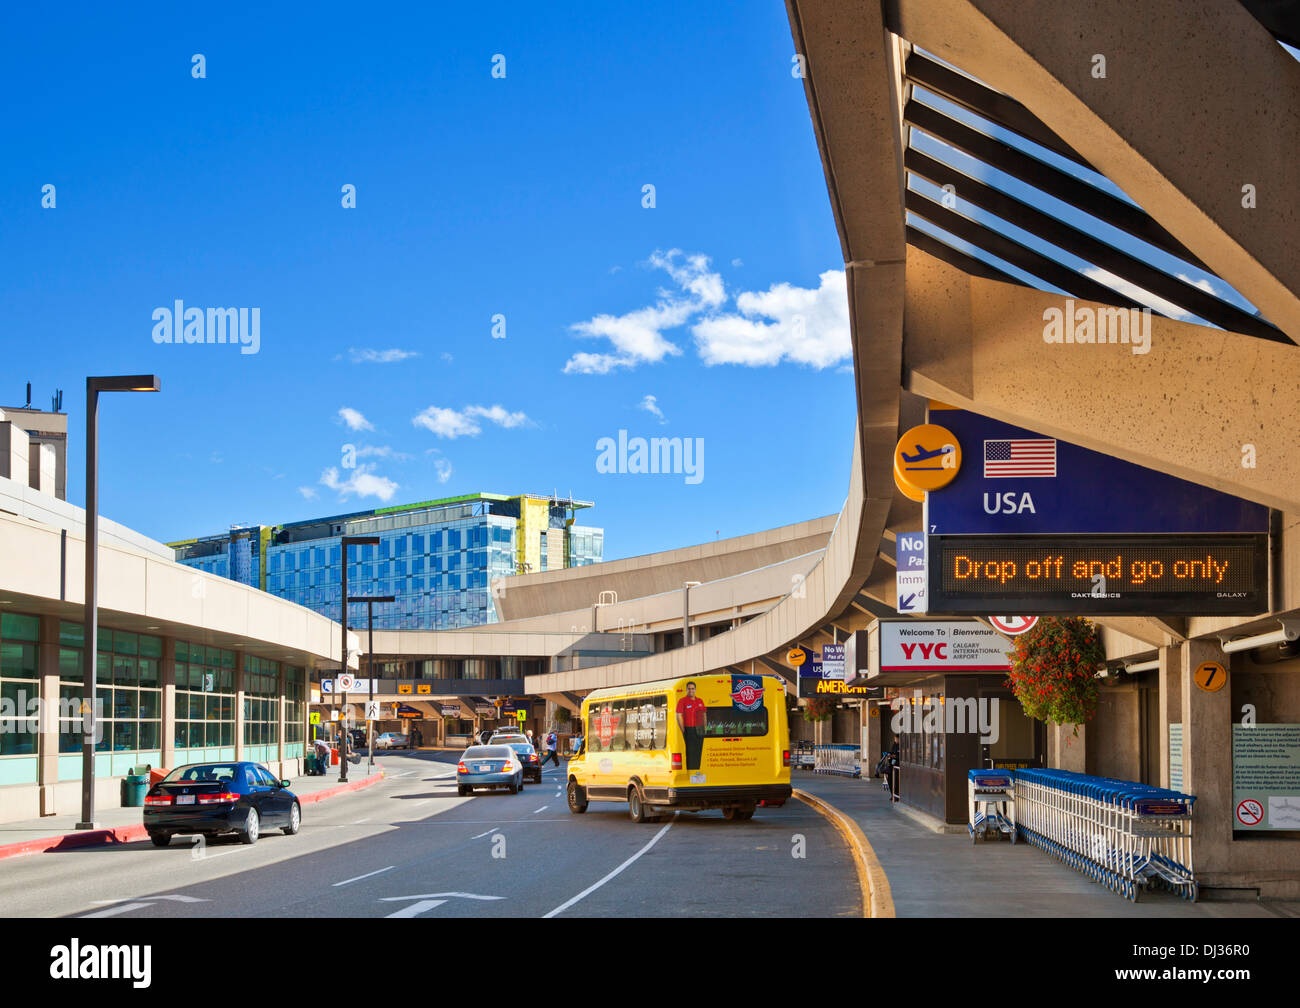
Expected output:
{"points": [[577, 798], [635, 806]]}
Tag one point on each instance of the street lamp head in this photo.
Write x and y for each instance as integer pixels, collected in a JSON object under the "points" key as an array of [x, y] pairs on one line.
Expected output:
{"points": [[123, 383]]}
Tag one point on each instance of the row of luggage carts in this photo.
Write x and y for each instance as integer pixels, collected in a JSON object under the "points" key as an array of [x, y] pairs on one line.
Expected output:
{"points": [[844, 760], [1125, 835]]}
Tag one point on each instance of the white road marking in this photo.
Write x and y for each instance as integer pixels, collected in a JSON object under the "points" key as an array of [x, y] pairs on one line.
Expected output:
{"points": [[415, 909], [483, 834], [114, 911], [542, 809], [360, 821], [404, 773], [591, 889], [366, 875]]}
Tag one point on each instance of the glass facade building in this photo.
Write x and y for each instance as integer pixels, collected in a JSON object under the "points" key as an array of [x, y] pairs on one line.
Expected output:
{"points": [[437, 557]]}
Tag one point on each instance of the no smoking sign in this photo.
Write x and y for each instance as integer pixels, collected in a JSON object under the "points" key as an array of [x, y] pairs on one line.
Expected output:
{"points": [[1250, 812], [1013, 625]]}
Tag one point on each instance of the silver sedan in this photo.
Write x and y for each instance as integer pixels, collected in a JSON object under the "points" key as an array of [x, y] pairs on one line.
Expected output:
{"points": [[489, 766]]}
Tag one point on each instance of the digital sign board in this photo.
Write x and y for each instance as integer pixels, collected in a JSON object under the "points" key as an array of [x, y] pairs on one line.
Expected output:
{"points": [[1100, 574], [1032, 524]]}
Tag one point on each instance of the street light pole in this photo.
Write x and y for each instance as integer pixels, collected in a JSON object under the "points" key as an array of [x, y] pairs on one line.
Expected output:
{"points": [[370, 601], [345, 542], [90, 630]]}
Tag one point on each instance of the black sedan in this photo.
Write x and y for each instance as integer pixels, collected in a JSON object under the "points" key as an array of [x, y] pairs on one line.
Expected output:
{"points": [[526, 753], [216, 798]]}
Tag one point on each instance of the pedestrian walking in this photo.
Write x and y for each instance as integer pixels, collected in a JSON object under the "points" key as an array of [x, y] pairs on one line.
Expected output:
{"points": [[552, 742]]}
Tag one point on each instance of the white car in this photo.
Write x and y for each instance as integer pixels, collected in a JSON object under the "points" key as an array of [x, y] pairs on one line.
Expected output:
{"points": [[393, 740]]}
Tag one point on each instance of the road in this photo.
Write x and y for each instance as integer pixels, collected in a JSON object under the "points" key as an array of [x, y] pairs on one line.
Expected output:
{"points": [[411, 847]]}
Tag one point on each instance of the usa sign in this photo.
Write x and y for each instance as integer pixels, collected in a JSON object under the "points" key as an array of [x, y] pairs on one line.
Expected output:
{"points": [[941, 646]]}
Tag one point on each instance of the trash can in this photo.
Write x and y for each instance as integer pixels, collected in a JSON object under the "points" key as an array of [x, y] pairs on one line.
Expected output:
{"points": [[334, 756], [134, 787]]}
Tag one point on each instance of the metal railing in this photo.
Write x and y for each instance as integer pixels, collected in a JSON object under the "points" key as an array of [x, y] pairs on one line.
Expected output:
{"points": [[1125, 835]]}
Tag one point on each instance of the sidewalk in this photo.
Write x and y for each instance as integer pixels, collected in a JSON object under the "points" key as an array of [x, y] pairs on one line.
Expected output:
{"points": [[125, 825], [945, 875]]}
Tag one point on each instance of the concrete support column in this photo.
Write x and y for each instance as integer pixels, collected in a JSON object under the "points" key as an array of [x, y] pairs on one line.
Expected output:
{"points": [[1171, 703], [1069, 751], [167, 679], [279, 724], [1207, 759], [47, 769], [239, 705]]}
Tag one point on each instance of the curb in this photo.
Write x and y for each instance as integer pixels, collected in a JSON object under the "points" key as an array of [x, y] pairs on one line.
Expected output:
{"points": [[132, 834], [877, 900]]}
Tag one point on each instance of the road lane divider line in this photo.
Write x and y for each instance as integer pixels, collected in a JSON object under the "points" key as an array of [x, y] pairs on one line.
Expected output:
{"points": [[360, 821], [592, 888], [877, 899], [483, 834], [542, 809], [365, 876]]}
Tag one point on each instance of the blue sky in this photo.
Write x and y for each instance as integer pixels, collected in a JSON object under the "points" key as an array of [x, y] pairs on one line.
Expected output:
{"points": [[475, 196]]}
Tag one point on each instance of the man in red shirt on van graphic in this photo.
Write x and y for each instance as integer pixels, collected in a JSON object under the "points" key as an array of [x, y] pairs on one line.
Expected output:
{"points": [[691, 713]]}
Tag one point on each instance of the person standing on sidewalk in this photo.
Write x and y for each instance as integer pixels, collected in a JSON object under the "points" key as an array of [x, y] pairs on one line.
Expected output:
{"points": [[893, 770]]}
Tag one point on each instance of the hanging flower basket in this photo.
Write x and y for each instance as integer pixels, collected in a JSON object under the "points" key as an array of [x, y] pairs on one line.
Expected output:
{"points": [[819, 709], [1054, 670]]}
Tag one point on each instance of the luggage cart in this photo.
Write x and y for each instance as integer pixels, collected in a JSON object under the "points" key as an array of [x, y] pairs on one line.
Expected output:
{"points": [[991, 800], [1125, 835]]}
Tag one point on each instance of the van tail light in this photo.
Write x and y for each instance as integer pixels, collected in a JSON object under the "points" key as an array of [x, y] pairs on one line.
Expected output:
{"points": [[219, 798], [462, 768], [677, 761], [161, 799], [785, 758]]}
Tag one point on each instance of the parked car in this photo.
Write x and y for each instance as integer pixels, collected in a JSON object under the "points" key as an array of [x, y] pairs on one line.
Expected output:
{"points": [[393, 740], [217, 798], [359, 741], [490, 766]]}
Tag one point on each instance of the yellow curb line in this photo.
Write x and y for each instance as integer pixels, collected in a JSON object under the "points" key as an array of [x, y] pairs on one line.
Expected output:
{"points": [[877, 900]]}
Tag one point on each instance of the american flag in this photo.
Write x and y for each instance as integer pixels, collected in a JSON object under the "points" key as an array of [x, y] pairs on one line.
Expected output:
{"points": [[1020, 457]]}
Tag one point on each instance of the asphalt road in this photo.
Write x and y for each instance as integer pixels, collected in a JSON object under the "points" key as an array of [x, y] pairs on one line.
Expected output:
{"points": [[411, 847]]}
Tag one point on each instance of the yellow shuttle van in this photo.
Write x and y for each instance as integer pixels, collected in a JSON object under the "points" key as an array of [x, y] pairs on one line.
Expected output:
{"points": [[707, 742]]}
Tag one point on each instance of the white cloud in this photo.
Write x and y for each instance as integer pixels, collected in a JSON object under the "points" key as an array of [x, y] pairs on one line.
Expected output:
{"points": [[354, 420], [361, 482], [448, 358], [799, 324], [443, 468], [450, 423], [737, 262], [650, 405], [364, 355], [638, 336], [308, 492]]}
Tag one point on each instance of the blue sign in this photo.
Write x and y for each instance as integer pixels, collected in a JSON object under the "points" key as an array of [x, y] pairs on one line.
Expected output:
{"points": [[909, 550], [810, 670], [1015, 482]]}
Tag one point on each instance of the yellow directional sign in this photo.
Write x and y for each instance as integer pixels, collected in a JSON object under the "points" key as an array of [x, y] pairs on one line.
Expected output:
{"points": [[1210, 676], [905, 488], [796, 657], [315, 717], [521, 716], [927, 457], [423, 688], [404, 688]]}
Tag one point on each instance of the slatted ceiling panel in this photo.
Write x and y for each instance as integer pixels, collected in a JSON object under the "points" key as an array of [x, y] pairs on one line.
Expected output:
{"points": [[1022, 256], [1192, 300], [984, 101], [1116, 212], [956, 117], [944, 252]]}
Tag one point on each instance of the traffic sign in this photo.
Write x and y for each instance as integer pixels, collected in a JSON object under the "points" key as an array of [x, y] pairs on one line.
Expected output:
{"points": [[1012, 626], [912, 578], [1249, 812], [346, 683], [314, 718], [927, 457], [796, 656], [372, 710], [1210, 676], [521, 716]]}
